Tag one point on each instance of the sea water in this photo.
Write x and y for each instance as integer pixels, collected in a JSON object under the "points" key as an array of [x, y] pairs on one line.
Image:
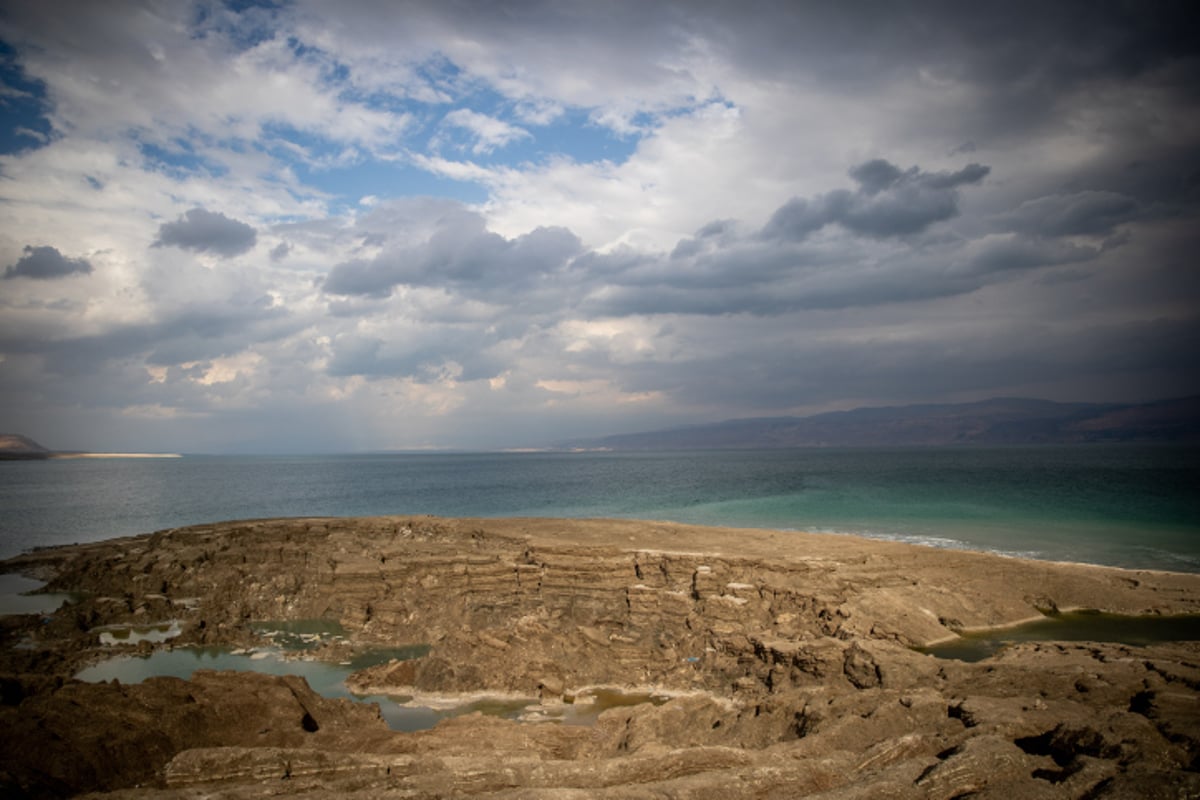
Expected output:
{"points": [[1131, 506]]}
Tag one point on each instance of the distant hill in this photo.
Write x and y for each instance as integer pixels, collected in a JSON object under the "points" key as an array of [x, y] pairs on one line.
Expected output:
{"points": [[996, 421], [14, 446]]}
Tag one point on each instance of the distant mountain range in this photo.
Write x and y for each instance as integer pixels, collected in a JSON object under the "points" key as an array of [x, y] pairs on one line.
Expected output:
{"points": [[997, 421], [14, 446]]}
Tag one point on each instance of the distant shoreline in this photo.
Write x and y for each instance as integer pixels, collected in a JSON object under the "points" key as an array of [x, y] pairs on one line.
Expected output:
{"points": [[15, 447], [115, 455]]}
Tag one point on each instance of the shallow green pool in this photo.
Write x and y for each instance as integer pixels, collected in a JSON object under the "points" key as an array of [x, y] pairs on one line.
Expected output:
{"points": [[1074, 626], [328, 679], [325, 678], [16, 596]]}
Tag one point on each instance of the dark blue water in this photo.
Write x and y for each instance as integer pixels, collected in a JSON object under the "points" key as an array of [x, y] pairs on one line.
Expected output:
{"points": [[1121, 505]]}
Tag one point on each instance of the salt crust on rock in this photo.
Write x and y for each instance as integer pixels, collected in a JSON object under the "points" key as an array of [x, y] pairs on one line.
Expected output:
{"points": [[789, 657]]}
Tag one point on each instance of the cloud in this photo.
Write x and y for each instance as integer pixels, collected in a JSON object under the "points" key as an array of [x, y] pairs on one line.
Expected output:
{"points": [[803, 261], [888, 202], [876, 175], [489, 133], [482, 224], [426, 355], [763, 367], [1001, 253], [176, 75], [708, 237], [207, 231], [538, 112], [192, 334], [460, 253], [624, 59], [37, 136], [46, 263], [1091, 213]]}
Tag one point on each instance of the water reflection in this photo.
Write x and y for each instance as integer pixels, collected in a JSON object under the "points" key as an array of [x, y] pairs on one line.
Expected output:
{"points": [[136, 634], [300, 634]]}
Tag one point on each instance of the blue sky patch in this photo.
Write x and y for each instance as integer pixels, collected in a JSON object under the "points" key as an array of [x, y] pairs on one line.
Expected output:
{"points": [[23, 106], [387, 179], [573, 135]]}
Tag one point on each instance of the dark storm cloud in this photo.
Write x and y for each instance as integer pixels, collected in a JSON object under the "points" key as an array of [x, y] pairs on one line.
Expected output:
{"points": [[775, 370], [1021, 59], [873, 256], [46, 263], [460, 253], [764, 282], [732, 264], [197, 338], [888, 202], [876, 175], [207, 231], [1082, 213], [1026, 49], [1017, 253], [709, 236], [190, 334]]}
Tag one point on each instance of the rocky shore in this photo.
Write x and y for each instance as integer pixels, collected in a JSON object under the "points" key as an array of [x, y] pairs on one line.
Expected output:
{"points": [[789, 659]]}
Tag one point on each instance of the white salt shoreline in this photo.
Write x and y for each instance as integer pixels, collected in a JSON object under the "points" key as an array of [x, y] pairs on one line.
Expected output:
{"points": [[116, 455]]}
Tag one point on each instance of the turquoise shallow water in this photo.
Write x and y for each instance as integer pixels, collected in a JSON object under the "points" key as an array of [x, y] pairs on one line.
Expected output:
{"points": [[329, 680], [1073, 626], [1121, 505]]}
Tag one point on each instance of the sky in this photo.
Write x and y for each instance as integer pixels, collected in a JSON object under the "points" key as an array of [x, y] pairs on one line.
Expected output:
{"points": [[294, 227]]}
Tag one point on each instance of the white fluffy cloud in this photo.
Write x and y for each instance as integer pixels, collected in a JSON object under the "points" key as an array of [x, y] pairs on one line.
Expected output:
{"points": [[488, 132]]}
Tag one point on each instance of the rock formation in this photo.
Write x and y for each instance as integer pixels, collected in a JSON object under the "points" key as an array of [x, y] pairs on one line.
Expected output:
{"points": [[789, 657]]}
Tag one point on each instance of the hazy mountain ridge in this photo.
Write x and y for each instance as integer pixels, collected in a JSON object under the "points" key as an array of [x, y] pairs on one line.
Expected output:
{"points": [[995, 421], [14, 446]]}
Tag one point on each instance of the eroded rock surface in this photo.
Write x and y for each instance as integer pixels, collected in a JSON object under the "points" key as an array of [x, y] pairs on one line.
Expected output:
{"points": [[790, 657]]}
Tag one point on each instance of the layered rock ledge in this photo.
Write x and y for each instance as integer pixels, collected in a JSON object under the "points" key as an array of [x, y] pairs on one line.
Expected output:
{"points": [[790, 658]]}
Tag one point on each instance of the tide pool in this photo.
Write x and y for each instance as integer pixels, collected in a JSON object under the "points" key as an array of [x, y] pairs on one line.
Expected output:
{"points": [[328, 680], [325, 679], [19, 595], [1073, 626]]}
